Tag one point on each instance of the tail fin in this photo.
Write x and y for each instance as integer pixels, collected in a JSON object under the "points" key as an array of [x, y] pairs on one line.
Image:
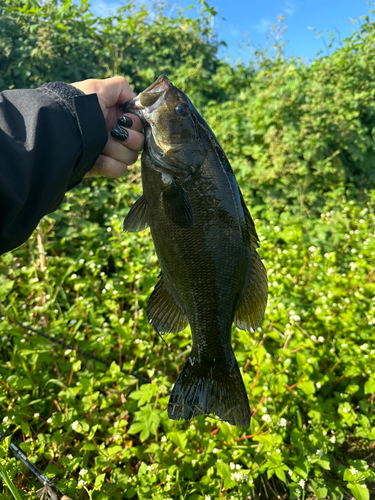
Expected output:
{"points": [[205, 387]]}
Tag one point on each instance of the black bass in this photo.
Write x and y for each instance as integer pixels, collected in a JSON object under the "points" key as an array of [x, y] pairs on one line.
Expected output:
{"points": [[205, 239]]}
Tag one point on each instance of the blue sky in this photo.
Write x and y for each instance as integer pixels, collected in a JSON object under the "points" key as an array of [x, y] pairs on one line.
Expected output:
{"points": [[255, 17]]}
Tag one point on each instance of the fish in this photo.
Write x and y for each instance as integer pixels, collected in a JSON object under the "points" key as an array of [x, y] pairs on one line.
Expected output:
{"points": [[206, 243]]}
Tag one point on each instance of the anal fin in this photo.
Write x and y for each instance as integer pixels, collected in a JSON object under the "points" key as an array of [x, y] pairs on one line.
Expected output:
{"points": [[163, 311], [252, 305], [137, 218]]}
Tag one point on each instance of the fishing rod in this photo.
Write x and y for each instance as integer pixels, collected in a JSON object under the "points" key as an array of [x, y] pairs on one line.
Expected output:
{"points": [[49, 489], [69, 346]]}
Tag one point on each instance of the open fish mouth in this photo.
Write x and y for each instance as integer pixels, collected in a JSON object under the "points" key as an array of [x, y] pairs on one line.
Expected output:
{"points": [[147, 101]]}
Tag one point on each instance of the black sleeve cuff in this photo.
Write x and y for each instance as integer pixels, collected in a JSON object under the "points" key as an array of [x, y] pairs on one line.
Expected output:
{"points": [[91, 123]]}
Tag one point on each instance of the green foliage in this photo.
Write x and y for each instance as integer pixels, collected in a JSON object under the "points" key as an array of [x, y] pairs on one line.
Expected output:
{"points": [[300, 139]]}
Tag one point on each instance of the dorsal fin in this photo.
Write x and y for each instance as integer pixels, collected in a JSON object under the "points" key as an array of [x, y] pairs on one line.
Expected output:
{"points": [[252, 234], [252, 305]]}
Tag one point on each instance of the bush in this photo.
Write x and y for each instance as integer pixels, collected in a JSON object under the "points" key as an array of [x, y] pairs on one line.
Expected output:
{"points": [[300, 139]]}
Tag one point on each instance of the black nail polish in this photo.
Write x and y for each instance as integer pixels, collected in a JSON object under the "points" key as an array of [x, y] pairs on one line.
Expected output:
{"points": [[119, 133], [125, 121]]}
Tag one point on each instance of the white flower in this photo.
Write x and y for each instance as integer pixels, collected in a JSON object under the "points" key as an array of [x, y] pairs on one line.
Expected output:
{"points": [[332, 439], [169, 477], [236, 476], [164, 439], [318, 385], [298, 491], [82, 472], [215, 450], [49, 421], [301, 482], [290, 473], [312, 248], [70, 457], [283, 422], [266, 418], [364, 486], [81, 483], [5, 419], [36, 415], [194, 461], [321, 339], [353, 470], [75, 425], [207, 497], [232, 466], [320, 453], [365, 467]]}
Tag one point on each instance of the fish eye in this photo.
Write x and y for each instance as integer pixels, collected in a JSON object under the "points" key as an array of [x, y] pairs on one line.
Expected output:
{"points": [[180, 109]]}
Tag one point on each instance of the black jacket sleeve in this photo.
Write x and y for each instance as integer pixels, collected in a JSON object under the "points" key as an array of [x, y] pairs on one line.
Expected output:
{"points": [[49, 138]]}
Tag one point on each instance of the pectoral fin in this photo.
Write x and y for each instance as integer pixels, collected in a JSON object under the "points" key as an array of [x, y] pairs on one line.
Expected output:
{"points": [[163, 311], [137, 218], [250, 309], [176, 204]]}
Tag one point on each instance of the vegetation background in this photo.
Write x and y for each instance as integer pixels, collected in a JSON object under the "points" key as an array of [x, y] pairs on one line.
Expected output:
{"points": [[301, 141]]}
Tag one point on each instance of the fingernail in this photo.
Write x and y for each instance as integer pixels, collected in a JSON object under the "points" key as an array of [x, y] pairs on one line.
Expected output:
{"points": [[119, 133], [125, 121]]}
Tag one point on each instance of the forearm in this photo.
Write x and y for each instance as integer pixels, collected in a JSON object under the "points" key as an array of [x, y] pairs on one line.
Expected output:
{"points": [[49, 139]]}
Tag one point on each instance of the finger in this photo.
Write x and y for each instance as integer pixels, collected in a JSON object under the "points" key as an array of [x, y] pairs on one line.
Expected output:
{"points": [[116, 91], [110, 91], [120, 152], [137, 124], [130, 138], [107, 167]]}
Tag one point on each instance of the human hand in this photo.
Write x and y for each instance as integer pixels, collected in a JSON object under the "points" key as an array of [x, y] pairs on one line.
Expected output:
{"points": [[122, 151]]}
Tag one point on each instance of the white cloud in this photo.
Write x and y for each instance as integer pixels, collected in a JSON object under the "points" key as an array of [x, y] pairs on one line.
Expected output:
{"points": [[263, 25], [235, 31], [104, 8], [289, 8]]}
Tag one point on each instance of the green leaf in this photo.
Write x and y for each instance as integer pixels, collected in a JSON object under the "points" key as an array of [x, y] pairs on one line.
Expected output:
{"points": [[279, 471], [319, 487], [225, 472], [301, 469], [254, 426], [99, 481], [179, 438], [264, 439], [370, 386], [9, 483], [6, 286], [360, 491], [307, 387]]}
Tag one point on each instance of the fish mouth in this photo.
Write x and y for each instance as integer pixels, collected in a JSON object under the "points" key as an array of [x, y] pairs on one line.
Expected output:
{"points": [[147, 101]]}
